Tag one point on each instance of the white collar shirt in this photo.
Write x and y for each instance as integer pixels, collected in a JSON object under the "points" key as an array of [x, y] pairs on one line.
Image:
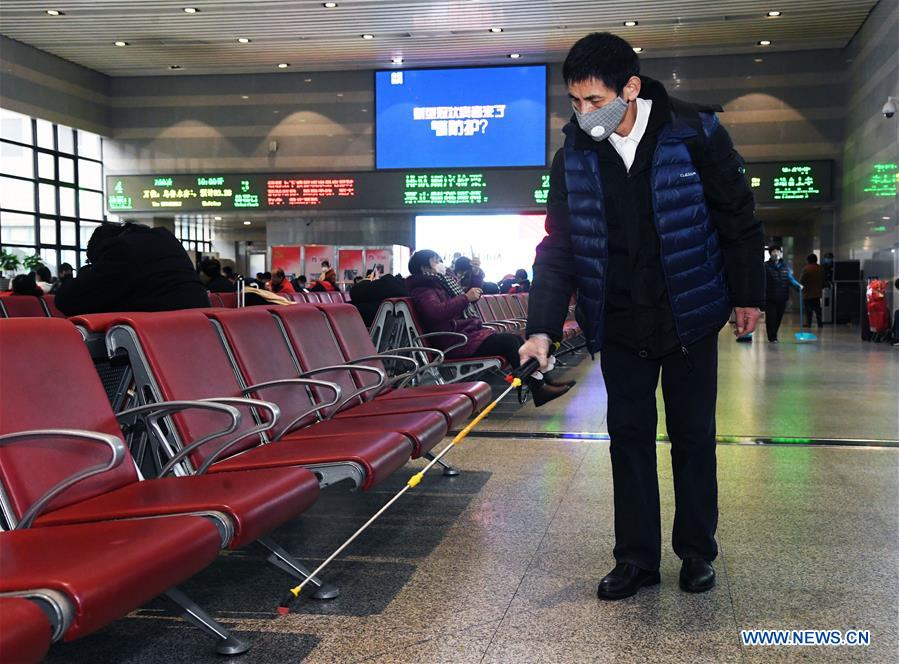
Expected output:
{"points": [[626, 146]]}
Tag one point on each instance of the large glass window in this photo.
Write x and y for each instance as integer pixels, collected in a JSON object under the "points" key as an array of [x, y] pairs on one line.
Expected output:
{"points": [[51, 189], [195, 234]]}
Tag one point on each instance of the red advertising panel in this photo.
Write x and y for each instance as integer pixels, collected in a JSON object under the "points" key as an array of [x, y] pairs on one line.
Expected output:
{"points": [[350, 264], [380, 259], [286, 258], [315, 254]]}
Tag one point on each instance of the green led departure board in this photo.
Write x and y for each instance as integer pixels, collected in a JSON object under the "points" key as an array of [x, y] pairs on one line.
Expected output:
{"points": [[493, 189], [512, 190], [789, 182], [883, 181]]}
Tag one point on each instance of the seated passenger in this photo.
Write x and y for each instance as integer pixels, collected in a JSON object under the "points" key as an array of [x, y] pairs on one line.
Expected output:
{"points": [[280, 283], [65, 273], [133, 267], [468, 274], [43, 278], [327, 281], [368, 294], [443, 306], [25, 284], [212, 277]]}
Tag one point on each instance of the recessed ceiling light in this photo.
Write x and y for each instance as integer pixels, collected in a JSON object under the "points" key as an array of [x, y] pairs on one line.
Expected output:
{"points": [[367, 36], [174, 66], [217, 218], [247, 223], [496, 30], [638, 49], [121, 43], [764, 42], [191, 10], [773, 14], [244, 96], [885, 218], [631, 24], [329, 5], [340, 94], [759, 60], [307, 80], [283, 65], [514, 56], [243, 40], [55, 12], [398, 60]]}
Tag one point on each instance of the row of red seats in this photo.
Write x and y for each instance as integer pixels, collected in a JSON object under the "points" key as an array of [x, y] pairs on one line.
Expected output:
{"points": [[397, 324], [246, 478], [323, 297], [29, 306]]}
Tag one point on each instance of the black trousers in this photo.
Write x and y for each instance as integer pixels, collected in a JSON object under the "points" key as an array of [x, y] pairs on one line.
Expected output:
{"points": [[812, 306], [689, 388], [503, 344], [774, 313]]}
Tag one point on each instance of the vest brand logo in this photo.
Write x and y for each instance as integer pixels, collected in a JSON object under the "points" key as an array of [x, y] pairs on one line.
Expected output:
{"points": [[687, 175]]}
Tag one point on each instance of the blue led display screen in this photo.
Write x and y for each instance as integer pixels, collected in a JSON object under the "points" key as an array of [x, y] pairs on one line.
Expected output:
{"points": [[452, 118]]}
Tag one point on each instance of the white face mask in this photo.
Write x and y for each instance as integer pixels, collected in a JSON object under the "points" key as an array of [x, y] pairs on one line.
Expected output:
{"points": [[440, 268]]}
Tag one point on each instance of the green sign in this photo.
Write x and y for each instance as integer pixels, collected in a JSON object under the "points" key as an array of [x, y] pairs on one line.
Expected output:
{"points": [[436, 189], [882, 181], [541, 195], [512, 190], [779, 182]]}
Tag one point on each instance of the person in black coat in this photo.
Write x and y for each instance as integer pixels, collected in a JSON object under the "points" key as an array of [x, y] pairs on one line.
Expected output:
{"points": [[630, 143], [212, 277], [778, 281], [132, 267], [368, 294]]}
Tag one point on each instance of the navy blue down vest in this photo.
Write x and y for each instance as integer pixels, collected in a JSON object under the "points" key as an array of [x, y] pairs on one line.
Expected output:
{"points": [[691, 257]]}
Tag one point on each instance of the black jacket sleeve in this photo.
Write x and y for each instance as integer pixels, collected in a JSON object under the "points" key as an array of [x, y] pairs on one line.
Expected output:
{"points": [[553, 281], [732, 210]]}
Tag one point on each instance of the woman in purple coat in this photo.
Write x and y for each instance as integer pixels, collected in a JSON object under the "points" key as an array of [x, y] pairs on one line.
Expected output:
{"points": [[443, 306]]}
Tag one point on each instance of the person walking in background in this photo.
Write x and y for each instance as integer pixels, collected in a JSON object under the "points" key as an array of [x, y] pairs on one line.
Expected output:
{"points": [[812, 281], [778, 280]]}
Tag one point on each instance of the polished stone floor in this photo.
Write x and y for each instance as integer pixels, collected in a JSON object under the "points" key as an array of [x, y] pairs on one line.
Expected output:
{"points": [[500, 564]]}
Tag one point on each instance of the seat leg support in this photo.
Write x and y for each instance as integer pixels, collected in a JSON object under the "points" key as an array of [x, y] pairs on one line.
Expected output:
{"points": [[185, 607], [287, 563], [448, 471]]}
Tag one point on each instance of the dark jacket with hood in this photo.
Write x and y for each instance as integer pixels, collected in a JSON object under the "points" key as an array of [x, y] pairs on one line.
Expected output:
{"points": [[659, 254], [438, 311], [140, 269]]}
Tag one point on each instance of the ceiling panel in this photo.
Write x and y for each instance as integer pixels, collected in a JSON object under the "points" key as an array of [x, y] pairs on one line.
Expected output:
{"points": [[423, 32]]}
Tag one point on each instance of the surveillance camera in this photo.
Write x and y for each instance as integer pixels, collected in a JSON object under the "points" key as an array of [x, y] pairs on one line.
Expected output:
{"points": [[889, 109]]}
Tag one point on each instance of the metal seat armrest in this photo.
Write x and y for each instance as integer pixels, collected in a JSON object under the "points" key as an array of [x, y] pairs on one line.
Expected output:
{"points": [[154, 412], [115, 444], [274, 414], [317, 406], [382, 378], [448, 349], [404, 378]]}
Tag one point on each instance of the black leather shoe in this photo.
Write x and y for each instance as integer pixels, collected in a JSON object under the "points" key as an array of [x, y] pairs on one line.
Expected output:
{"points": [[543, 392], [696, 575], [625, 580], [559, 383]]}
